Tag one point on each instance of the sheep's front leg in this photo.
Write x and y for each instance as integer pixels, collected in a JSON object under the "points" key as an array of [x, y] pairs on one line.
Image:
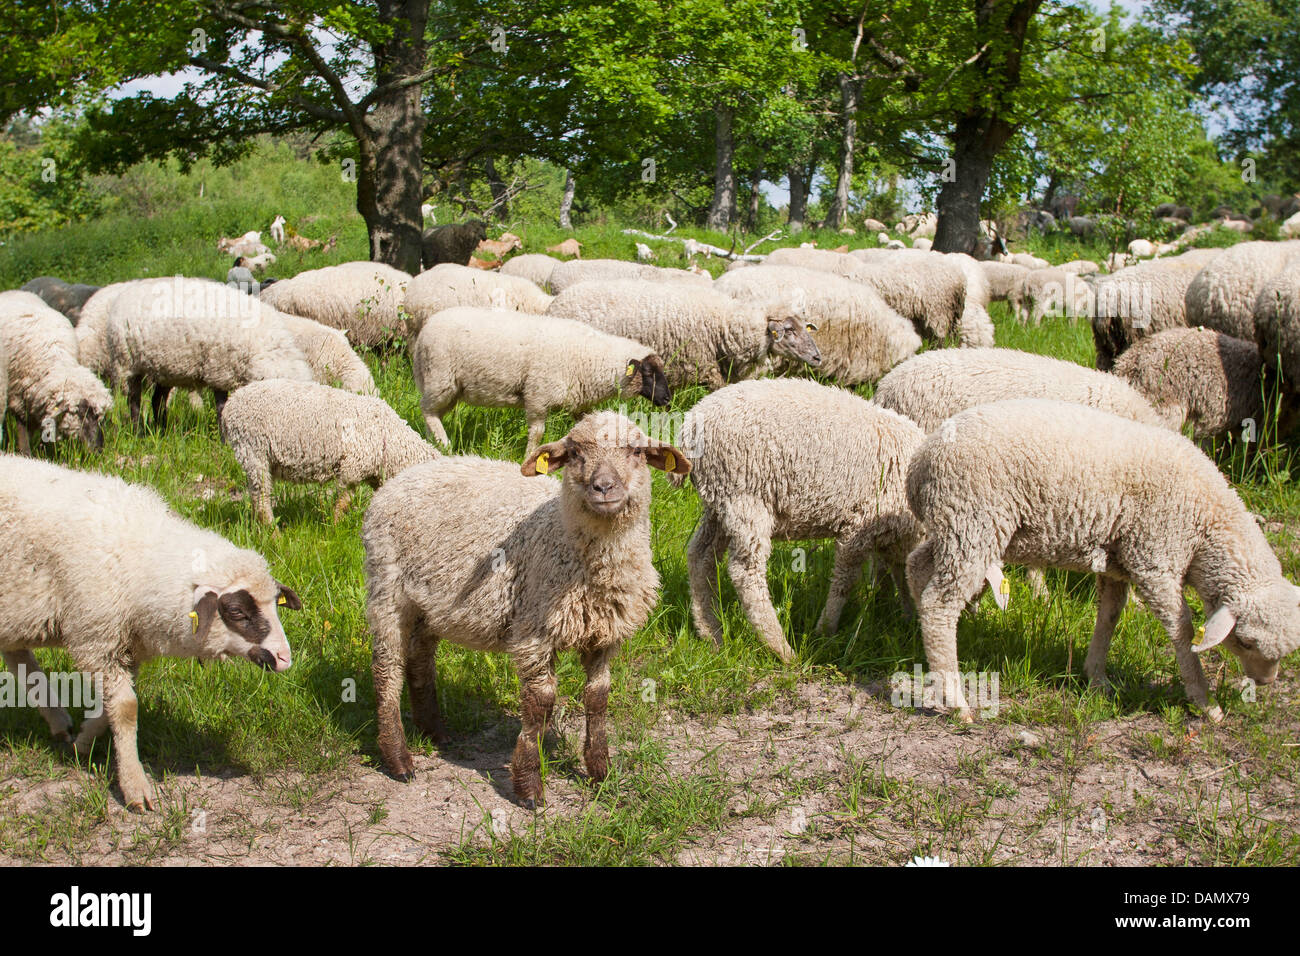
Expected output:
{"points": [[219, 397], [849, 559], [56, 718], [706, 546], [123, 709], [1112, 595], [595, 702], [537, 697], [134, 388], [748, 569], [23, 438], [341, 503], [536, 429], [1166, 602], [949, 582]]}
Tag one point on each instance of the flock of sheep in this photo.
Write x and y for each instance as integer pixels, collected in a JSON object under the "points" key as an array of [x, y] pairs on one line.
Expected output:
{"points": [[967, 458]]}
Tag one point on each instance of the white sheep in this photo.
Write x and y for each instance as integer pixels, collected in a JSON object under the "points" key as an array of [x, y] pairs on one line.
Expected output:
{"points": [[702, 335], [572, 272], [1055, 291], [46, 388], [277, 229], [536, 267], [860, 337], [936, 385], [1142, 300], [92, 349], [195, 334], [923, 288], [1200, 376], [1052, 484], [788, 458], [110, 573], [484, 554], [497, 358], [307, 432], [1222, 295], [1277, 324], [1001, 278], [332, 360], [1142, 249], [449, 285], [363, 299]]}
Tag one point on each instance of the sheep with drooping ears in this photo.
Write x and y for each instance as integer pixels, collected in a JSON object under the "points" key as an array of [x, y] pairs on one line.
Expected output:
{"points": [[496, 358], [1053, 484], [702, 335], [791, 459], [860, 337], [107, 571], [485, 554]]}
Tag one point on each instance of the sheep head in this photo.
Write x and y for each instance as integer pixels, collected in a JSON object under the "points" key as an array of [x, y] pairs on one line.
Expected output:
{"points": [[789, 336], [240, 620]]}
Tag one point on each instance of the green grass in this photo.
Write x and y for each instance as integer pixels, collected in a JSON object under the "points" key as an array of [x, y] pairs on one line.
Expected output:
{"points": [[317, 717]]}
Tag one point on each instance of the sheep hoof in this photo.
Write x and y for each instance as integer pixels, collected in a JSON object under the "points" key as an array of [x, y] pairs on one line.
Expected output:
{"points": [[138, 800], [965, 716], [1215, 714], [530, 805]]}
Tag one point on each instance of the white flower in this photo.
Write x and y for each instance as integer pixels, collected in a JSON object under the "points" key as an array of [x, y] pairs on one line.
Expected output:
{"points": [[927, 861]]}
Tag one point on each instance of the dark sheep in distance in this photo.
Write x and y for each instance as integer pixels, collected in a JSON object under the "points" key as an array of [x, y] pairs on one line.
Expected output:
{"points": [[454, 242], [64, 297]]}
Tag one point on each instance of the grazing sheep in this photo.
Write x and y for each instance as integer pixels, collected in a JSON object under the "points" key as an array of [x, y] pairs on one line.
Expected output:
{"points": [[494, 358], [454, 242], [1080, 267], [303, 244], [1277, 324], [110, 573], [644, 253], [533, 266], [702, 335], [92, 350], [497, 248], [1001, 278], [1200, 376], [306, 432], [936, 385], [1142, 300], [927, 289], [569, 247], [249, 244], [195, 334], [570, 273], [790, 459], [1055, 291], [1051, 484], [47, 389], [1222, 295], [1026, 260], [330, 356], [860, 338], [65, 297], [474, 552], [448, 286], [1141, 249], [363, 299]]}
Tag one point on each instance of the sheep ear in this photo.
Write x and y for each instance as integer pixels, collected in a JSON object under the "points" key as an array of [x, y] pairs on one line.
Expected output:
{"points": [[546, 459], [287, 598], [205, 608], [999, 585], [1218, 626], [667, 458]]}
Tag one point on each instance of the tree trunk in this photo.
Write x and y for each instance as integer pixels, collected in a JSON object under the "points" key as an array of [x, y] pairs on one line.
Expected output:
{"points": [[723, 209], [977, 141], [566, 201], [982, 131], [500, 206], [850, 89], [798, 199], [755, 197], [389, 178]]}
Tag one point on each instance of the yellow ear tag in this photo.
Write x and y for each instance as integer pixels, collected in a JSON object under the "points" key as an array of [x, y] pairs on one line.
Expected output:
{"points": [[631, 370], [282, 601], [194, 622], [1200, 636], [669, 461], [810, 328], [543, 464], [1005, 587]]}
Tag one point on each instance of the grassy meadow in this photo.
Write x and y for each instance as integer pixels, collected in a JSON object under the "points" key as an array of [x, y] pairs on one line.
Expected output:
{"points": [[299, 737]]}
